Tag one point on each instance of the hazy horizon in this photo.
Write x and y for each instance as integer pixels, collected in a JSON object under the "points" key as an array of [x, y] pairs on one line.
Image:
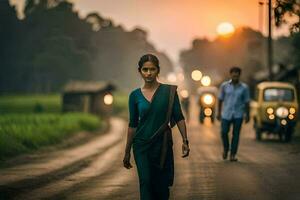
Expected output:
{"points": [[171, 24]]}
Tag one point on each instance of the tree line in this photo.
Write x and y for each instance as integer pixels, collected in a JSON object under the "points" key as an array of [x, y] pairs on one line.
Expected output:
{"points": [[53, 45]]}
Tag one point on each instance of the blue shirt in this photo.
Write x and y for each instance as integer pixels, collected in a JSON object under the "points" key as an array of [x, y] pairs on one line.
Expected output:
{"points": [[234, 99]]}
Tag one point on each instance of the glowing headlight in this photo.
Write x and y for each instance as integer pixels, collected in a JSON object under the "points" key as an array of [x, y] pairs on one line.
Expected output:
{"points": [[292, 110], [108, 99], [283, 122], [270, 110], [271, 116], [282, 112], [291, 117], [208, 99], [207, 112]]}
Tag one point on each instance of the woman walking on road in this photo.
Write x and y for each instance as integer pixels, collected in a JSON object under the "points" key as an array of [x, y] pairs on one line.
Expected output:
{"points": [[151, 109]]}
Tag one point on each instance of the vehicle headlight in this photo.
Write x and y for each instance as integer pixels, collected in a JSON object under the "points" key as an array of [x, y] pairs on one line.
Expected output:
{"points": [[270, 110], [208, 99], [292, 110], [271, 117], [283, 122], [208, 112], [282, 112], [291, 117]]}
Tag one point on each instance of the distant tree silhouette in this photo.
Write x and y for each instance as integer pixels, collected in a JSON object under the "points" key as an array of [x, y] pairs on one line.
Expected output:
{"points": [[9, 32], [52, 45], [287, 12], [288, 8]]}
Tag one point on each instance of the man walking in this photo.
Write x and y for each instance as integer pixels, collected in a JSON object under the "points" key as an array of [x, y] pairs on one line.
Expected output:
{"points": [[233, 108]]}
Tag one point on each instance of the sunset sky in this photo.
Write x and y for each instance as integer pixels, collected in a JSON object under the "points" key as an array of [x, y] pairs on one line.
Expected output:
{"points": [[173, 24]]}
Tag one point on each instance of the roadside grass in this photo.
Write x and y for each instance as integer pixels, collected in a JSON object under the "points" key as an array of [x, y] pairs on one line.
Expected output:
{"points": [[22, 133], [29, 122]]}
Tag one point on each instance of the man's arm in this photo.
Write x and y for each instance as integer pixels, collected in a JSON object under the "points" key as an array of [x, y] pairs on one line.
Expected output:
{"points": [[221, 98], [247, 104]]}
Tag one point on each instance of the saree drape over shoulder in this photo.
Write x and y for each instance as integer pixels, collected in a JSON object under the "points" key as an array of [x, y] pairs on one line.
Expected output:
{"points": [[148, 118]]}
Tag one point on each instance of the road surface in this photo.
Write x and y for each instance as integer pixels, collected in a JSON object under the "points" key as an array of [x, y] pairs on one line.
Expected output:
{"points": [[266, 170]]}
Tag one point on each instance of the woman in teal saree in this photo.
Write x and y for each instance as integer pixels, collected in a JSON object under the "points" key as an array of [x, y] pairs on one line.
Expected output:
{"points": [[150, 114]]}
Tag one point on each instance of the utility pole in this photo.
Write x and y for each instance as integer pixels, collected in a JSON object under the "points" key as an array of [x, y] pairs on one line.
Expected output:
{"points": [[270, 42], [260, 16], [261, 19]]}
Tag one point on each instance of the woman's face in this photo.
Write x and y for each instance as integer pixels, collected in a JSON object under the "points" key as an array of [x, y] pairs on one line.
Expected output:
{"points": [[149, 71]]}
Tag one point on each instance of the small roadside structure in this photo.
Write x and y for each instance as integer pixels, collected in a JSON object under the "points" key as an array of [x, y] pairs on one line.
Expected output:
{"points": [[88, 96]]}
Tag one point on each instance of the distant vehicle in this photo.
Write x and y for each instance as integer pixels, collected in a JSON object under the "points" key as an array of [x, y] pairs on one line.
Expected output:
{"points": [[275, 109], [207, 102]]}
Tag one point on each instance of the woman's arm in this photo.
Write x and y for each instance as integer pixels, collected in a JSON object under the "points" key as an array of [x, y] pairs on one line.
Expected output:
{"points": [[185, 145], [130, 133], [126, 160], [182, 128], [133, 122], [178, 117]]}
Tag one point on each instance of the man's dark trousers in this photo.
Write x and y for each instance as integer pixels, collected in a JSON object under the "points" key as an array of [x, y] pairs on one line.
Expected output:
{"points": [[225, 126]]}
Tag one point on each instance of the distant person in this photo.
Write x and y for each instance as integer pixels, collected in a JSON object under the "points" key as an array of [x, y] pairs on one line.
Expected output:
{"points": [[149, 132], [233, 108]]}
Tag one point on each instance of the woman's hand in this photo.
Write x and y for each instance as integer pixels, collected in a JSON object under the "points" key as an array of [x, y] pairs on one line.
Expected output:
{"points": [[185, 150], [126, 161], [185, 146]]}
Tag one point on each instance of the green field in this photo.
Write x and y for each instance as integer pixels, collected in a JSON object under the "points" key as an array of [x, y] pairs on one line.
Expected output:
{"points": [[28, 122], [22, 133], [30, 103], [51, 104]]}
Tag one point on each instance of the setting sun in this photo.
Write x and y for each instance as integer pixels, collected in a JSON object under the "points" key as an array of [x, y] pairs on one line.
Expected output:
{"points": [[225, 29]]}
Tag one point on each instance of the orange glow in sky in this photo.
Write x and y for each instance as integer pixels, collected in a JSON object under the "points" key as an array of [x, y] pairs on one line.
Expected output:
{"points": [[225, 29], [173, 24]]}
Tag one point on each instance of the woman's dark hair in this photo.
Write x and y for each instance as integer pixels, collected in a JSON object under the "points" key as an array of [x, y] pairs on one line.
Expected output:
{"points": [[148, 58]]}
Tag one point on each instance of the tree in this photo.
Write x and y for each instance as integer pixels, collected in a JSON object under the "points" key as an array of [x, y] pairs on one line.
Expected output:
{"points": [[52, 45], [288, 12], [8, 40], [287, 9]]}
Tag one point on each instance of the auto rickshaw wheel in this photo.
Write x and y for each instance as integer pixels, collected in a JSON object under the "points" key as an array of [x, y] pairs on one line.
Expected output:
{"points": [[201, 117], [212, 117], [258, 134], [201, 120], [258, 131], [288, 135], [281, 136]]}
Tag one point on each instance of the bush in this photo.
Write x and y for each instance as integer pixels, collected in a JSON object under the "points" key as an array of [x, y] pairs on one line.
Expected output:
{"points": [[120, 105]]}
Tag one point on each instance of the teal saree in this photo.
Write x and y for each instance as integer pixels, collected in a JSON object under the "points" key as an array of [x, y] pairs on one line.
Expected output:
{"points": [[149, 118]]}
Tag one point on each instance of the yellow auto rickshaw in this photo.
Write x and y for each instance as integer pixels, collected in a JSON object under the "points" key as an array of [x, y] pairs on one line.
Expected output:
{"points": [[274, 109]]}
